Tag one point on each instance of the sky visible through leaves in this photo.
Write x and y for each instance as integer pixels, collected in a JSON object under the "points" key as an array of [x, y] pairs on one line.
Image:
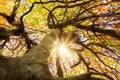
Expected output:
{"points": [[90, 35]]}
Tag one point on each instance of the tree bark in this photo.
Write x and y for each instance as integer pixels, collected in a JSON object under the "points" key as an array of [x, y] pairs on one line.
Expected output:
{"points": [[33, 65]]}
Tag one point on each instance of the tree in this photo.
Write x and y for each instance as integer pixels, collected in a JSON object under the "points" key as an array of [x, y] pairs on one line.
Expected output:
{"points": [[32, 33]]}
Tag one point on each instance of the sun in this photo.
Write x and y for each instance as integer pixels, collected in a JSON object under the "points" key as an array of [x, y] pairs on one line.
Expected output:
{"points": [[63, 53], [62, 49]]}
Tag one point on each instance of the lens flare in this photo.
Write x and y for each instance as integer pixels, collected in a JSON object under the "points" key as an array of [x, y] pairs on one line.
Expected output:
{"points": [[63, 49]]}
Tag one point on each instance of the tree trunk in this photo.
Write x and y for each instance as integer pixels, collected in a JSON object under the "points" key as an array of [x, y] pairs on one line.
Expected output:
{"points": [[33, 65]]}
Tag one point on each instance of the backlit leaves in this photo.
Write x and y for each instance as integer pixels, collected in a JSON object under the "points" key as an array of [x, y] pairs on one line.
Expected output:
{"points": [[89, 28]]}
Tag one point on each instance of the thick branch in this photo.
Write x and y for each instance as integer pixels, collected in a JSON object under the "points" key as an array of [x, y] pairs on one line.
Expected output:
{"points": [[108, 32], [8, 32]]}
